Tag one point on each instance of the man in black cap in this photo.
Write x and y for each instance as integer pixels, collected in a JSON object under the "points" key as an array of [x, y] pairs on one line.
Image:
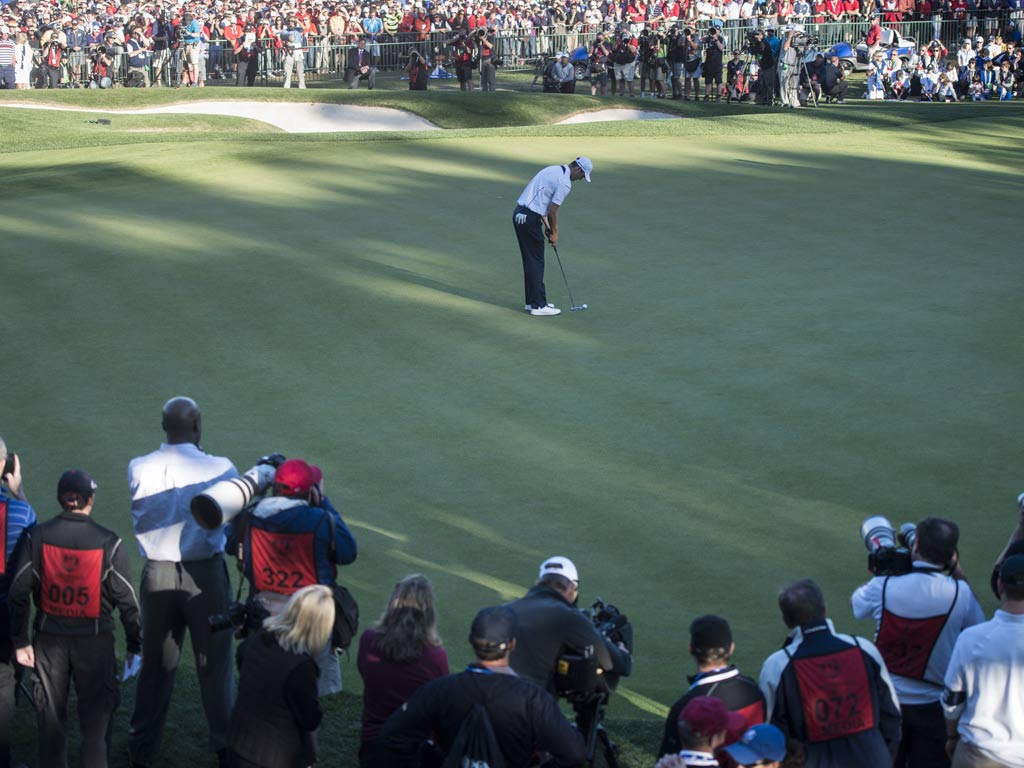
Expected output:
{"points": [[76, 572], [711, 646], [525, 718]]}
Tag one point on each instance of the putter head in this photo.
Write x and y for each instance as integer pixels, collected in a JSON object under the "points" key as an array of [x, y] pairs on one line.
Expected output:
{"points": [[579, 308]]}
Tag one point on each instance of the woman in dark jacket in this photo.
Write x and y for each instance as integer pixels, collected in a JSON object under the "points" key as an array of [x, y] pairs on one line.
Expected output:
{"points": [[400, 653], [277, 710]]}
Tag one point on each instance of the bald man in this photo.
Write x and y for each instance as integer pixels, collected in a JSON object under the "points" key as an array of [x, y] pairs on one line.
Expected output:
{"points": [[184, 581]]}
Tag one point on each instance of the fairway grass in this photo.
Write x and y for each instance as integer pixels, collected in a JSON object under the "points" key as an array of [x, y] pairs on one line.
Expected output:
{"points": [[796, 321]]}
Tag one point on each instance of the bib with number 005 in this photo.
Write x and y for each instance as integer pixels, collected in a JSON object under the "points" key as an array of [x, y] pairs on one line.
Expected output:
{"points": [[71, 582]]}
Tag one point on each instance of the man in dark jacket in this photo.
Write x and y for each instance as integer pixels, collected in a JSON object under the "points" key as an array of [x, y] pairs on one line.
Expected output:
{"points": [[550, 626], [525, 719], [833, 81], [711, 646], [829, 691], [76, 572]]}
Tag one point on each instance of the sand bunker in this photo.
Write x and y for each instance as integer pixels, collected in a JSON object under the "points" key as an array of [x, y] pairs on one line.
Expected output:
{"points": [[292, 118], [608, 115]]}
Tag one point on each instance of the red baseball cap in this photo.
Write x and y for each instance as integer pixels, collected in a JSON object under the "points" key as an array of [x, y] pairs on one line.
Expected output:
{"points": [[295, 478], [708, 716]]}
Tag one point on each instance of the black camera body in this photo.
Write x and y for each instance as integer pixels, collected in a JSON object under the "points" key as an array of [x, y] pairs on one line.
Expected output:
{"points": [[243, 618], [577, 676], [890, 561], [8, 465]]}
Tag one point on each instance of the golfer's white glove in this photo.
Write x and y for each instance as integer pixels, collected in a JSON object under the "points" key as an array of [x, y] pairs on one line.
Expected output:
{"points": [[520, 218]]}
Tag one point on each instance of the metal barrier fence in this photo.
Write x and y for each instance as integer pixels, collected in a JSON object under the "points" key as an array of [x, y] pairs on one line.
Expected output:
{"points": [[324, 58]]}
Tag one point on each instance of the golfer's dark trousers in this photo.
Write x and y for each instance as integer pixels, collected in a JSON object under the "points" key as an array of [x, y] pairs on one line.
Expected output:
{"points": [[89, 662], [531, 245], [923, 738]]}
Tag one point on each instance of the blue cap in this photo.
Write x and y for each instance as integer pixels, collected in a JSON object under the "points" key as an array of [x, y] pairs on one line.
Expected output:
{"points": [[760, 742]]}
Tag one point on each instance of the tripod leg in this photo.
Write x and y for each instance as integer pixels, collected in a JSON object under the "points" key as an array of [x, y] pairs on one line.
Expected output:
{"points": [[609, 748]]}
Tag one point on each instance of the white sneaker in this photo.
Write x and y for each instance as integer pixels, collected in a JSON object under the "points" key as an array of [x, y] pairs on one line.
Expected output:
{"points": [[528, 307], [550, 309]]}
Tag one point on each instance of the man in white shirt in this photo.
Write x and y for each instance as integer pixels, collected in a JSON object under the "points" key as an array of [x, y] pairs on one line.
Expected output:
{"points": [[919, 616], [184, 582], [535, 216], [984, 694]]}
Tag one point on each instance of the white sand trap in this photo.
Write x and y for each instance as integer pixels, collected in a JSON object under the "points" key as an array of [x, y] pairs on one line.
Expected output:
{"points": [[292, 118], [609, 115]]}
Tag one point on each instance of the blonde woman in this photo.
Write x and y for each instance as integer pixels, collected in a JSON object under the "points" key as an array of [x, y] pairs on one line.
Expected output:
{"points": [[277, 709], [22, 62], [400, 653]]}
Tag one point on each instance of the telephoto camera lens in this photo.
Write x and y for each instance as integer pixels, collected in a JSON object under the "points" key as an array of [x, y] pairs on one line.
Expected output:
{"points": [[877, 533], [908, 535]]}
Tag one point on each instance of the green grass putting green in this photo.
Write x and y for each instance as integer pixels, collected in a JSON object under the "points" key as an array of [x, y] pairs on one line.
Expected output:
{"points": [[796, 321]]}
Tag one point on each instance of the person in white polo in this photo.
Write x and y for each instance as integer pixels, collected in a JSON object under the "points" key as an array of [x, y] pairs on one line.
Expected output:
{"points": [[536, 214], [984, 694]]}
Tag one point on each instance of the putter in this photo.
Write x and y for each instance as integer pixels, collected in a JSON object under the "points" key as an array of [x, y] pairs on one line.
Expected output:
{"points": [[574, 307]]}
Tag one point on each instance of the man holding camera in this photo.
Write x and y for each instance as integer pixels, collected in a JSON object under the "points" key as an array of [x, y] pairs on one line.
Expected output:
{"points": [[550, 626], [463, 52], [184, 581], [833, 81], [828, 690], [789, 71], [76, 572], [294, 60], [714, 47], [525, 720], [488, 71], [290, 540], [16, 516], [624, 59], [920, 614]]}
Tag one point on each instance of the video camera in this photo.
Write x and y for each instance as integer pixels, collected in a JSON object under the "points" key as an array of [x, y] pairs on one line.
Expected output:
{"points": [[889, 551], [577, 675]]}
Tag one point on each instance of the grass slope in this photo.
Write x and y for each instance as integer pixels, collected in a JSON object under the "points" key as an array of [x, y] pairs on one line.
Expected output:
{"points": [[786, 335]]}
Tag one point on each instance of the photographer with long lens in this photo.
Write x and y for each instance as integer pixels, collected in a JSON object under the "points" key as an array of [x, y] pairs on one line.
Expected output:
{"points": [[463, 54], [290, 540], [488, 71], [16, 515], [278, 709], [921, 604], [184, 580]]}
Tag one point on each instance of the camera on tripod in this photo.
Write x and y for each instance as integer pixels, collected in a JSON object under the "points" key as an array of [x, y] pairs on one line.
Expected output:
{"points": [[889, 551], [577, 675]]}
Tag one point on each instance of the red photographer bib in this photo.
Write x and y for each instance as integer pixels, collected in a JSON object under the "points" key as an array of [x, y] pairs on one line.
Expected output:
{"points": [[835, 695], [906, 644], [282, 562], [71, 582], [3, 537]]}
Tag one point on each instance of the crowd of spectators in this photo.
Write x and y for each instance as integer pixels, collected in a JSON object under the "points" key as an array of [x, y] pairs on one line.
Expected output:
{"points": [[48, 43], [937, 687]]}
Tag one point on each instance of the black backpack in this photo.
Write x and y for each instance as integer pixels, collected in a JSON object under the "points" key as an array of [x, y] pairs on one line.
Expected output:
{"points": [[475, 745]]}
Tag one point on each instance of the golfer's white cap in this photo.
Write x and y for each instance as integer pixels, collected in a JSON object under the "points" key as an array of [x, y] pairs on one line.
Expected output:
{"points": [[561, 566], [586, 165]]}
